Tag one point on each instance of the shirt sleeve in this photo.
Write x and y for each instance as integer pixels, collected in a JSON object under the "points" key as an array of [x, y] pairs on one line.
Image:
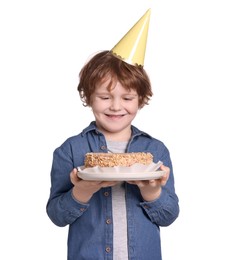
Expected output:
{"points": [[165, 209], [62, 208]]}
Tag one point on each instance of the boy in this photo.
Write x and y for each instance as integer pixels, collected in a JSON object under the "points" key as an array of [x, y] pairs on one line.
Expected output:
{"points": [[112, 220]]}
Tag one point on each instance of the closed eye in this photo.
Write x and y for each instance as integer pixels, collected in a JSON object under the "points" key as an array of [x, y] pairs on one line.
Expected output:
{"points": [[104, 97], [128, 99]]}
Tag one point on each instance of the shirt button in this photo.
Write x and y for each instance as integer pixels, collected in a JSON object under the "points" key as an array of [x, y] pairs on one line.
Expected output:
{"points": [[82, 209], [106, 194], [103, 147], [108, 249], [108, 221]]}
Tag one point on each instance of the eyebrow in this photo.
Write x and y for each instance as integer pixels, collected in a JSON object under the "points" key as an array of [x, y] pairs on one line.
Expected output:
{"points": [[109, 94], [103, 92]]}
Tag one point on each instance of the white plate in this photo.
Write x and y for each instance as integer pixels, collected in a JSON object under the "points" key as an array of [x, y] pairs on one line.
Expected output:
{"points": [[119, 176]]}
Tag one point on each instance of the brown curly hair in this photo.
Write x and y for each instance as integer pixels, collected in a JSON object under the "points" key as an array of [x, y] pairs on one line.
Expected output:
{"points": [[104, 65]]}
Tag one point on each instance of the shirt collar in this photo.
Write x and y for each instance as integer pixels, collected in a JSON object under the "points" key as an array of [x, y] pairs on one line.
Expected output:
{"points": [[92, 127]]}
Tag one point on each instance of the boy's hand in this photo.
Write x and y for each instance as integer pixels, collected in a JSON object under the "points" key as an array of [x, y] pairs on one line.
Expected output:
{"points": [[151, 190], [84, 190]]}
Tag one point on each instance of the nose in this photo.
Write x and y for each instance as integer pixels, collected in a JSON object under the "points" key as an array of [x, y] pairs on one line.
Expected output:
{"points": [[116, 104]]}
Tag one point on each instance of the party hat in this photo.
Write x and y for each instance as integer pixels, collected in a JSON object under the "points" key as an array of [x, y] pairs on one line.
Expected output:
{"points": [[132, 47]]}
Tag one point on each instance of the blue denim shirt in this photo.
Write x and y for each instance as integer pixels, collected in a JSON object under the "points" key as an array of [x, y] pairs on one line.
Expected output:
{"points": [[90, 225]]}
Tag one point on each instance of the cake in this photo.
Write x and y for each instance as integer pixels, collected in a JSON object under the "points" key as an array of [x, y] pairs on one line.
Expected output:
{"points": [[117, 159]]}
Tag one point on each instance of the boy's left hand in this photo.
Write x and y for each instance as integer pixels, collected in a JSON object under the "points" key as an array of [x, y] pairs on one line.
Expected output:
{"points": [[151, 189]]}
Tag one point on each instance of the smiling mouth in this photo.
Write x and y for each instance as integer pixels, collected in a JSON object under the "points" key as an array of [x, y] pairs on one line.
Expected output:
{"points": [[115, 116]]}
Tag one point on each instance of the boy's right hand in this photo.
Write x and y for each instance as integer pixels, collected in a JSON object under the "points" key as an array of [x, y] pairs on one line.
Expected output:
{"points": [[84, 190]]}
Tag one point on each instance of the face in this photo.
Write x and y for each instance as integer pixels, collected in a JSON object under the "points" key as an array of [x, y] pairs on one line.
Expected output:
{"points": [[115, 110]]}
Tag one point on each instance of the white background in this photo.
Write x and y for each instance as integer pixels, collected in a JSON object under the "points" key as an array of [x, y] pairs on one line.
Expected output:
{"points": [[43, 46]]}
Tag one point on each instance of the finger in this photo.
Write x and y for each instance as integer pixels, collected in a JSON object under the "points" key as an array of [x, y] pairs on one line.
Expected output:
{"points": [[141, 183], [74, 176], [165, 168], [154, 183], [105, 184], [164, 179]]}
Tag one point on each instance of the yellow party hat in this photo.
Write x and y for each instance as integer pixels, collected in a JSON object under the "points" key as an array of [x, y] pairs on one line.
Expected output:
{"points": [[132, 47]]}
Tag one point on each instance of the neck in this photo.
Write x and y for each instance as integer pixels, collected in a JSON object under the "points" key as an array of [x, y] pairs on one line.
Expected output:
{"points": [[118, 137]]}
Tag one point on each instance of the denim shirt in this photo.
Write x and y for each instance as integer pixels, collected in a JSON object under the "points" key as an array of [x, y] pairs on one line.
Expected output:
{"points": [[90, 225]]}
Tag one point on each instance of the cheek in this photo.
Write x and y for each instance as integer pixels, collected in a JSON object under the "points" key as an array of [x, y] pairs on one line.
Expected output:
{"points": [[133, 108], [98, 106], [133, 111], [94, 103]]}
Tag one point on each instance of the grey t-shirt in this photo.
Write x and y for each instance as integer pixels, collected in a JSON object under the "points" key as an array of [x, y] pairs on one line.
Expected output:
{"points": [[120, 249]]}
